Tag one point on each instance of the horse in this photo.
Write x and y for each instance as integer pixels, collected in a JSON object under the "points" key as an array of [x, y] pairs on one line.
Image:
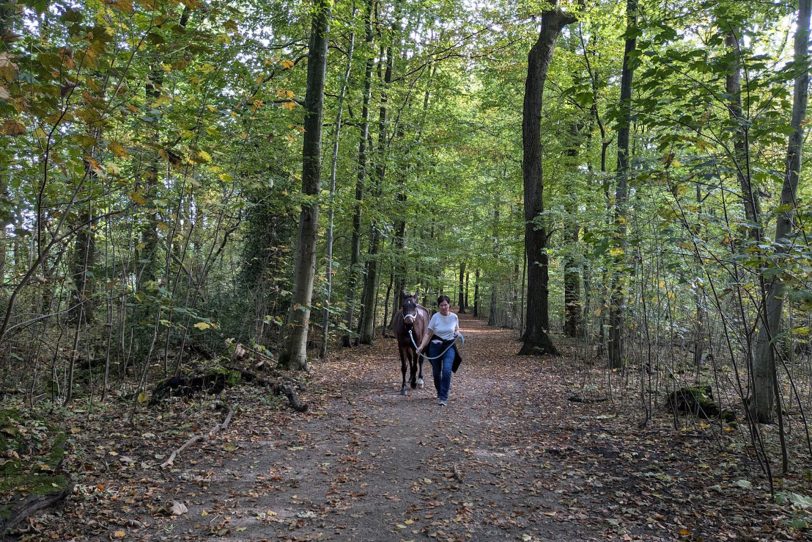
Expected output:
{"points": [[410, 325]]}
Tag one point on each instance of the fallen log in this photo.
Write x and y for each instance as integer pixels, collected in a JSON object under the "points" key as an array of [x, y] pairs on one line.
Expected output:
{"points": [[698, 401], [34, 503]]}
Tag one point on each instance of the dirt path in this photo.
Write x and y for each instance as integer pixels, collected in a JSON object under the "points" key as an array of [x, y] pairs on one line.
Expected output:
{"points": [[510, 458], [371, 464]]}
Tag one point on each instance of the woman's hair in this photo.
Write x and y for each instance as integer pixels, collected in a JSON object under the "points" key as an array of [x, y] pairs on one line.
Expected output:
{"points": [[443, 298]]}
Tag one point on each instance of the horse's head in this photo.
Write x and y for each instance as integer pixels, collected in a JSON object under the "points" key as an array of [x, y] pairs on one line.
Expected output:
{"points": [[408, 306]]}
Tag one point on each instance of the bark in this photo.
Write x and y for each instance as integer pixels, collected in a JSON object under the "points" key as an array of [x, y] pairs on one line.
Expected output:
{"points": [[399, 263], [573, 326], [146, 253], [325, 324], [355, 240], [84, 256], [741, 144], [476, 293], [536, 338], [366, 326], [492, 320], [617, 301], [765, 378], [467, 281], [461, 301], [295, 354]]}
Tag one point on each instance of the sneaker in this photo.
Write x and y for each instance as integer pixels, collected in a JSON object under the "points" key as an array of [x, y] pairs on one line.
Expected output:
{"points": [[442, 402]]}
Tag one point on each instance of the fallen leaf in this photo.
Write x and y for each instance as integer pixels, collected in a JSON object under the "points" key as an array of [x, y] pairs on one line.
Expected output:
{"points": [[178, 508]]}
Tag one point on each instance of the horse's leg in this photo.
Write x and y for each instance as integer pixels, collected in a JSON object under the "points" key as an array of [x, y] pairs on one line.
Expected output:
{"points": [[420, 382], [413, 368], [403, 389]]}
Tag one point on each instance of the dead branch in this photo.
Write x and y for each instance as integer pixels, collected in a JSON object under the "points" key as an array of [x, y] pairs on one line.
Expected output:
{"points": [[278, 389], [196, 438]]}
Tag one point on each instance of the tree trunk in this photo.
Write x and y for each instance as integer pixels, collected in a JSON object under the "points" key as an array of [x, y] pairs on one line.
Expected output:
{"points": [[476, 293], [325, 325], [535, 339], [355, 241], [740, 130], [492, 320], [146, 254], [84, 255], [572, 266], [462, 289], [366, 327], [617, 300], [572, 287], [765, 378], [295, 354]]}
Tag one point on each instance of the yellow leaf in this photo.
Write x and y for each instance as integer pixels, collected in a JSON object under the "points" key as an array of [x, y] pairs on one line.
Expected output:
{"points": [[124, 5], [684, 532], [138, 198], [202, 325], [287, 64], [8, 69], [12, 128], [616, 251], [117, 149], [206, 157], [119, 534], [289, 105], [142, 397], [226, 178]]}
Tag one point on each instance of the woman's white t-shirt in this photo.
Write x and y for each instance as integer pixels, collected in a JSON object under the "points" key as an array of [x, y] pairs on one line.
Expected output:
{"points": [[444, 326]]}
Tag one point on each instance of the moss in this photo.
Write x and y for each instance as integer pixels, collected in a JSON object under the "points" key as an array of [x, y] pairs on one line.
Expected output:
{"points": [[31, 453]]}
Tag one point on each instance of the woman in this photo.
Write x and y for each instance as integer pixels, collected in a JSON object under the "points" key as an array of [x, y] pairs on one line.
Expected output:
{"points": [[444, 327]]}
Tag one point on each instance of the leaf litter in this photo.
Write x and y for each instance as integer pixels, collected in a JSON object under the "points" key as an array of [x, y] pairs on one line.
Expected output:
{"points": [[510, 458]]}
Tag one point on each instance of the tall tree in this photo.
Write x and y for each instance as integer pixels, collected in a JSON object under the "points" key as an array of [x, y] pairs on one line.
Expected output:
{"points": [[295, 354], [363, 161], [617, 302], [366, 326], [536, 338], [740, 126], [325, 323], [765, 377]]}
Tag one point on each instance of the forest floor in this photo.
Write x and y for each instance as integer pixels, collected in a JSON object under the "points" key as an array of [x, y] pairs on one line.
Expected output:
{"points": [[511, 457]]}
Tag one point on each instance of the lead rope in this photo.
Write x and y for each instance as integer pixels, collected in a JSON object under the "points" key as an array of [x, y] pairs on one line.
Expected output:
{"points": [[441, 354]]}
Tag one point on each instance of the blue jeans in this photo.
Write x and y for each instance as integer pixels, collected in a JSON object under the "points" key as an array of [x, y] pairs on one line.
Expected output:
{"points": [[441, 368]]}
